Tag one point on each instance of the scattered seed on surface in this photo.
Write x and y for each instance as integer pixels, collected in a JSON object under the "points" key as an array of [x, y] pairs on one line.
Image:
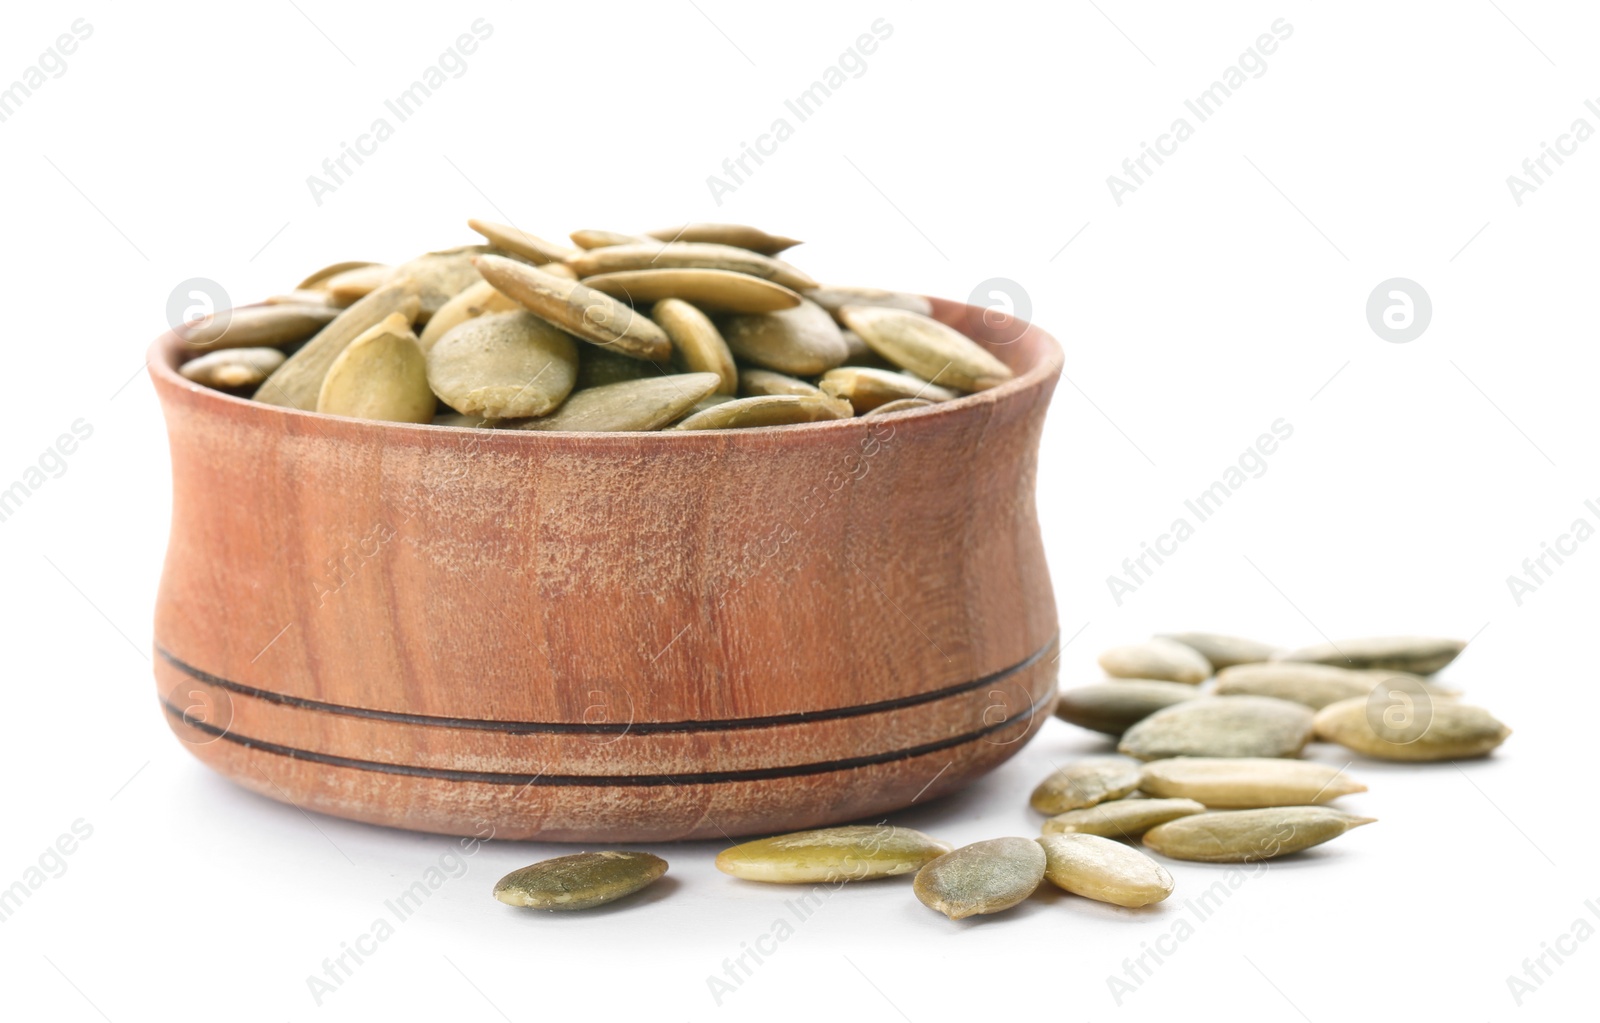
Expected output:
{"points": [[1245, 836], [1247, 782], [984, 877], [1221, 726], [1420, 655], [1085, 783], [1121, 818], [1223, 651], [580, 881], [1161, 659], [1418, 731], [1114, 707], [1106, 871], [854, 853]]}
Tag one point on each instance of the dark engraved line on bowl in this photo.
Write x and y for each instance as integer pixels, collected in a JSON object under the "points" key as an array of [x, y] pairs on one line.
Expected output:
{"points": [[600, 728], [623, 780]]}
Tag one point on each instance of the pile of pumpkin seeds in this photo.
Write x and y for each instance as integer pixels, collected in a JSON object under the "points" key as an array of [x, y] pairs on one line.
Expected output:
{"points": [[1210, 774], [696, 327]]}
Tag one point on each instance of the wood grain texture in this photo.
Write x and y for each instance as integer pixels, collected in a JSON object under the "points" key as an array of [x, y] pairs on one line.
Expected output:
{"points": [[608, 637]]}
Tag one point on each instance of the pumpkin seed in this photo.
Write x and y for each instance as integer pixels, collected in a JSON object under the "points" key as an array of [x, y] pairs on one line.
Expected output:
{"points": [[307, 297], [381, 375], [232, 368], [834, 299], [1420, 655], [756, 382], [598, 366], [1442, 730], [853, 853], [503, 366], [441, 276], [984, 877], [358, 282], [578, 309], [318, 279], [900, 405], [802, 341], [1115, 707], [297, 383], [767, 410], [866, 388], [1221, 726], [857, 352], [1247, 782], [926, 347], [1223, 651], [697, 345], [265, 326], [588, 239], [1245, 836], [477, 300], [459, 420], [1085, 783], [1162, 659], [580, 881], [1121, 818], [720, 290], [1315, 685], [1106, 871], [520, 243], [647, 404], [560, 270], [654, 255], [737, 235]]}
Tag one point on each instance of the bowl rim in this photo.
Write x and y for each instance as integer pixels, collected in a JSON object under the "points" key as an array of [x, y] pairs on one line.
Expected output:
{"points": [[162, 361]]}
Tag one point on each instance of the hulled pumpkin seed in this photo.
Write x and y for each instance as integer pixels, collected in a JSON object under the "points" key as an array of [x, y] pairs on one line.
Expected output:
{"points": [[381, 375], [1221, 726], [857, 352], [926, 347], [1085, 783], [1223, 651], [598, 366], [756, 382], [656, 255], [297, 383], [1420, 655], [560, 270], [317, 280], [580, 881], [696, 344], [1431, 730], [477, 300], [520, 243], [900, 405], [647, 404], [1315, 685], [1106, 871], [720, 290], [1245, 836], [265, 326], [459, 420], [1247, 782], [1121, 818], [834, 299], [767, 410], [503, 366], [802, 341], [578, 309], [306, 297], [233, 368], [984, 877], [590, 239], [866, 388], [853, 853], [1162, 659], [1114, 707], [441, 276], [738, 235], [357, 282]]}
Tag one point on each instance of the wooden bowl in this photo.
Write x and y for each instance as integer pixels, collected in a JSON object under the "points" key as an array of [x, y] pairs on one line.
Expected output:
{"points": [[619, 637]]}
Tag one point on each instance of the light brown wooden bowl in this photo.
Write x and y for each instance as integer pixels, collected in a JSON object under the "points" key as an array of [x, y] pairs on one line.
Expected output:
{"points": [[608, 637]]}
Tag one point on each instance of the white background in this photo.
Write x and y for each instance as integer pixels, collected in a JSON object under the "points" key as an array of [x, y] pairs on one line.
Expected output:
{"points": [[1226, 292]]}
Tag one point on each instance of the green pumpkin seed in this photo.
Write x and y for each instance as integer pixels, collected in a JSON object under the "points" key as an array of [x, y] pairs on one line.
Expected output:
{"points": [[984, 877], [1315, 685], [358, 282], [578, 309], [926, 347], [1085, 783], [590, 239], [1115, 707], [738, 235], [1106, 871], [477, 300], [834, 299], [655, 255], [381, 375], [1121, 818], [696, 343], [1223, 651], [1245, 836], [579, 881], [719, 290], [900, 405], [756, 382], [1428, 730], [866, 388], [597, 367], [647, 404], [853, 853], [767, 410], [802, 341], [1247, 782], [297, 383], [318, 280], [441, 276], [503, 366], [233, 368], [266, 326], [520, 243], [1161, 659], [1221, 726], [1419, 655], [307, 297], [456, 419]]}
